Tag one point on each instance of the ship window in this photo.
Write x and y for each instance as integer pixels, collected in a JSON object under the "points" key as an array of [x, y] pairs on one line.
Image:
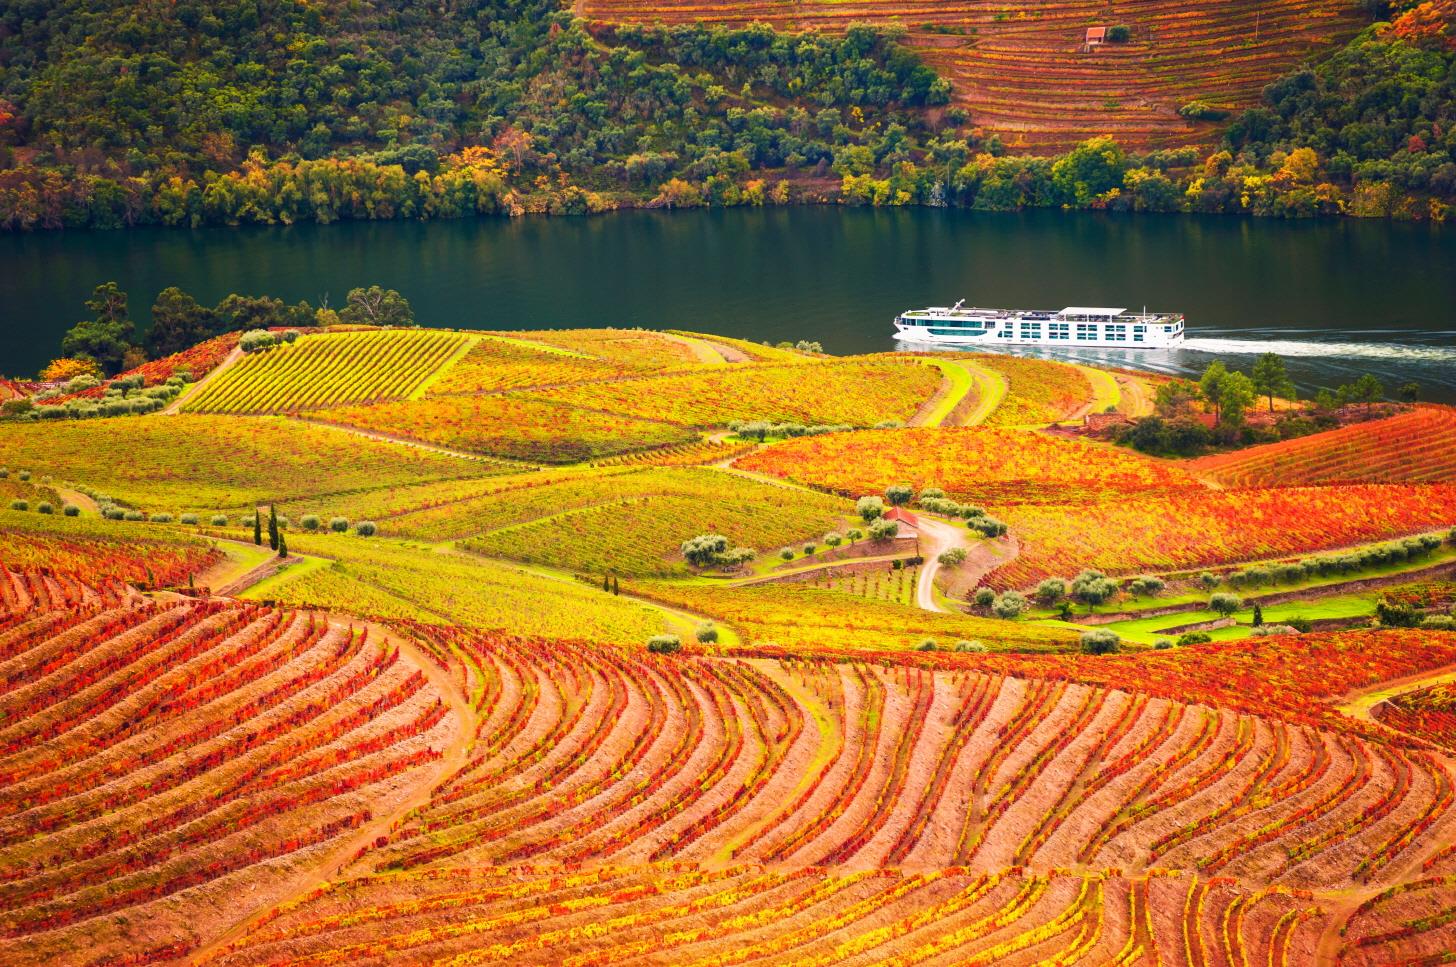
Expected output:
{"points": [[1031, 330], [1005, 333], [1086, 330], [1059, 330], [1116, 333]]}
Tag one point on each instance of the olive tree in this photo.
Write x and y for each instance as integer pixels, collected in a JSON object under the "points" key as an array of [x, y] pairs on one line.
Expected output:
{"points": [[1050, 591], [870, 508], [884, 530], [1093, 588], [705, 549], [1225, 603], [1100, 641], [899, 494], [1011, 604]]}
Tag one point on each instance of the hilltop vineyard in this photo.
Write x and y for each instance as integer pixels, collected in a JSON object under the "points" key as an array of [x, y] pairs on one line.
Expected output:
{"points": [[329, 369]]}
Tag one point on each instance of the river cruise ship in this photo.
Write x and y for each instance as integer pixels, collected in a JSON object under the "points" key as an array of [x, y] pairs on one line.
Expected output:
{"points": [[1073, 327]]}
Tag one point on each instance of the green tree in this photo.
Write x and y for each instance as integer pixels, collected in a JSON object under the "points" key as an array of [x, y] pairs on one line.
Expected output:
{"points": [[1092, 588], [257, 527], [1235, 395], [1092, 168], [273, 527], [1225, 603], [899, 494], [178, 322], [1271, 378], [376, 306], [107, 336], [1210, 384]]}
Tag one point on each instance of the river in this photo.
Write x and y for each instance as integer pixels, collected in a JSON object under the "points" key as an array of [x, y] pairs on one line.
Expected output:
{"points": [[1338, 297]]}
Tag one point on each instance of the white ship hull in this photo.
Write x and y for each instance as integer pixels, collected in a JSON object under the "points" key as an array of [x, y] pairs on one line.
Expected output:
{"points": [[1071, 328]]}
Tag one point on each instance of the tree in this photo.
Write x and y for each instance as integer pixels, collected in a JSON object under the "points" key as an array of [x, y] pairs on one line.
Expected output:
{"points": [[1092, 588], [68, 368], [1408, 392], [899, 494], [1271, 378], [1225, 603], [1011, 604], [1145, 584], [178, 322], [376, 306], [1174, 398], [273, 527], [1210, 384], [282, 545], [1368, 390], [1050, 591], [870, 508], [664, 644], [1235, 395], [1258, 618], [884, 530], [257, 527], [106, 337], [1100, 641], [1092, 168], [704, 550]]}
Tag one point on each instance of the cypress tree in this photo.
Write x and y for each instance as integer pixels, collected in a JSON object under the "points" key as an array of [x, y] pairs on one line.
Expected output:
{"points": [[273, 527], [282, 545], [616, 587], [1258, 616], [606, 584], [257, 527]]}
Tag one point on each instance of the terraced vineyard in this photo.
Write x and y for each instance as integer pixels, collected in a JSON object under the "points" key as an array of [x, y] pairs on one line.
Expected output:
{"points": [[970, 464], [227, 747], [1414, 447], [1022, 70], [1213, 528], [329, 369]]}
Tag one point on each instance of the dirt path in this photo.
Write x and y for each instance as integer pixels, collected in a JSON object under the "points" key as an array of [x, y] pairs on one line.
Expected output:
{"points": [[1106, 393], [176, 405], [79, 499], [1361, 703], [1136, 400], [343, 855], [936, 537], [707, 351]]}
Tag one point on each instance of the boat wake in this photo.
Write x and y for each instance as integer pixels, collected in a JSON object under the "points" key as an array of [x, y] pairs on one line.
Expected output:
{"points": [[1394, 352]]}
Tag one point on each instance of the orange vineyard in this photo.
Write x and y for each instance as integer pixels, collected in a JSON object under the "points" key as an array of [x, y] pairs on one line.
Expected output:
{"points": [[281, 787], [1025, 72]]}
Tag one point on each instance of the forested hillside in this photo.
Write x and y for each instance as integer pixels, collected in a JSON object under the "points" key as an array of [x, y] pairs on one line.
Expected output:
{"points": [[190, 113]]}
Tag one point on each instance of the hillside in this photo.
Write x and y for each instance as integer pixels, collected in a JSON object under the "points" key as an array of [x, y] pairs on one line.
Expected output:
{"points": [[1023, 72], [530, 647]]}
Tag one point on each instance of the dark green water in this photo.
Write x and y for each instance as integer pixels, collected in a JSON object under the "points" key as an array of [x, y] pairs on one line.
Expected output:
{"points": [[1339, 297]]}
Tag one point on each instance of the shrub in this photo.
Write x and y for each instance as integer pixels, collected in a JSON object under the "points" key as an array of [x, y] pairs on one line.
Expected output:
{"points": [[20, 505], [931, 493], [1439, 622], [787, 553], [1194, 638], [1100, 641], [1209, 580], [1119, 34], [988, 526], [190, 519], [310, 522], [1163, 644], [974, 647], [219, 520], [339, 525], [366, 528], [256, 339], [810, 548], [44, 507], [870, 508], [927, 645], [161, 518], [1202, 111], [1264, 631], [133, 515], [952, 557], [24, 475], [664, 644], [1225, 603], [5, 473], [707, 632], [70, 510], [983, 597]]}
